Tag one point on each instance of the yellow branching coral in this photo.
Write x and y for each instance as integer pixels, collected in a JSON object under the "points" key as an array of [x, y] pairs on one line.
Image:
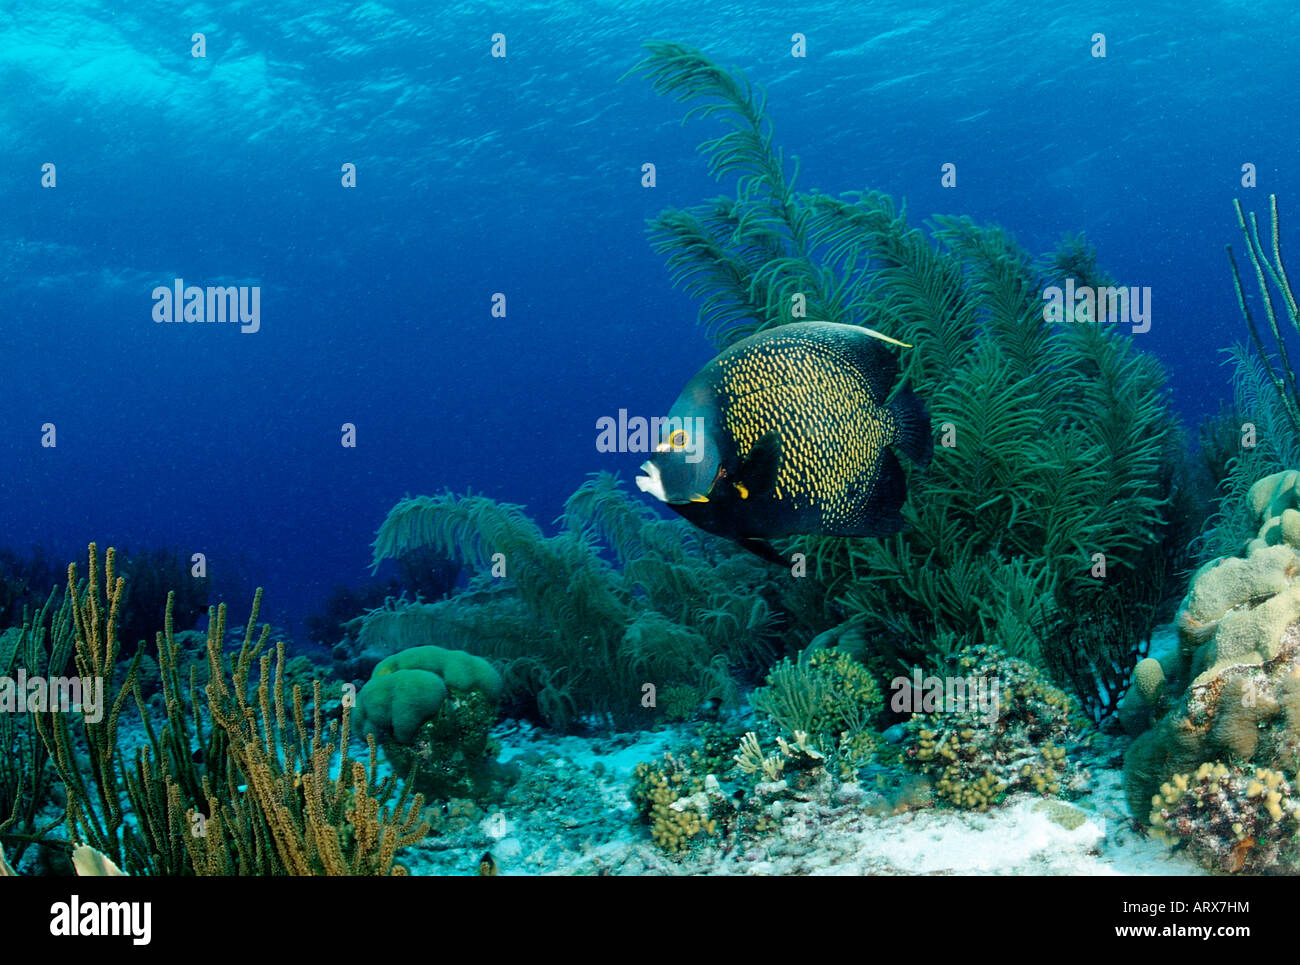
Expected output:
{"points": [[264, 796], [677, 803], [751, 759], [977, 756]]}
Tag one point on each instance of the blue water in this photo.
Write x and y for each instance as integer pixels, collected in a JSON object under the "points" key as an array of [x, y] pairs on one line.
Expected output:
{"points": [[478, 175]]}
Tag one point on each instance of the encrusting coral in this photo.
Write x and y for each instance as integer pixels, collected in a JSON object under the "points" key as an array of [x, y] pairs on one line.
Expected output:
{"points": [[1015, 740], [672, 799], [691, 798]]}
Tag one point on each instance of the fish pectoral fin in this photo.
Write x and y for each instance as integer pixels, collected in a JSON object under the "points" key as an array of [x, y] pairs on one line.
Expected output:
{"points": [[764, 550], [757, 475]]}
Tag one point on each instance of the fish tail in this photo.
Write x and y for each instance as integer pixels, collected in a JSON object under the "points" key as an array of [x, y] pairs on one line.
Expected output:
{"points": [[913, 421]]}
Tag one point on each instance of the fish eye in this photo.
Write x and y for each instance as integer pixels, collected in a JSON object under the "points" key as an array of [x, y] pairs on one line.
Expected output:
{"points": [[677, 439]]}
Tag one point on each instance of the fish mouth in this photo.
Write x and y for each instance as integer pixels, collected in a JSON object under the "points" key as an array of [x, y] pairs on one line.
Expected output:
{"points": [[651, 482]]}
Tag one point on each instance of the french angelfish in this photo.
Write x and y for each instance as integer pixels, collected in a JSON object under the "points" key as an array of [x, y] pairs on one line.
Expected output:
{"points": [[788, 432]]}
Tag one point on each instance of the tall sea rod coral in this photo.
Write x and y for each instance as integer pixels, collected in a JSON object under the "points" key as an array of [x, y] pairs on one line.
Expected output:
{"points": [[1265, 434]]}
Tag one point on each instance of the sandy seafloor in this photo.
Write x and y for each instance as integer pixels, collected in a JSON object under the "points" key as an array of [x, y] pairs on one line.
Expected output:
{"points": [[570, 815], [573, 817]]}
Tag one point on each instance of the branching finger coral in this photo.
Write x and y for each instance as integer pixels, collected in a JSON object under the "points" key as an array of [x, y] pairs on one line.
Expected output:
{"points": [[1234, 819], [1010, 732]]}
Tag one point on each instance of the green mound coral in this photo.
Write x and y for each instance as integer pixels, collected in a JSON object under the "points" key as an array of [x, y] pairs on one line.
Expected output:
{"points": [[432, 710], [1235, 673], [408, 688], [1044, 523], [1233, 819], [582, 621], [1014, 739]]}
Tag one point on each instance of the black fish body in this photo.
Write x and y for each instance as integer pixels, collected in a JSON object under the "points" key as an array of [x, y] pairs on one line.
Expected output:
{"points": [[790, 432]]}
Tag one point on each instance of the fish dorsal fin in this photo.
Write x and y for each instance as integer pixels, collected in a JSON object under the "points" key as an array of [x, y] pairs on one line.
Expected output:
{"points": [[877, 364], [860, 348], [758, 472], [885, 338]]}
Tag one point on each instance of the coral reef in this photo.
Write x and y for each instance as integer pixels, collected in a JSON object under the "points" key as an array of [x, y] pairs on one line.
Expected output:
{"points": [[1057, 448], [1233, 818], [432, 710], [1233, 681], [692, 797], [574, 635], [970, 754], [975, 757]]}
